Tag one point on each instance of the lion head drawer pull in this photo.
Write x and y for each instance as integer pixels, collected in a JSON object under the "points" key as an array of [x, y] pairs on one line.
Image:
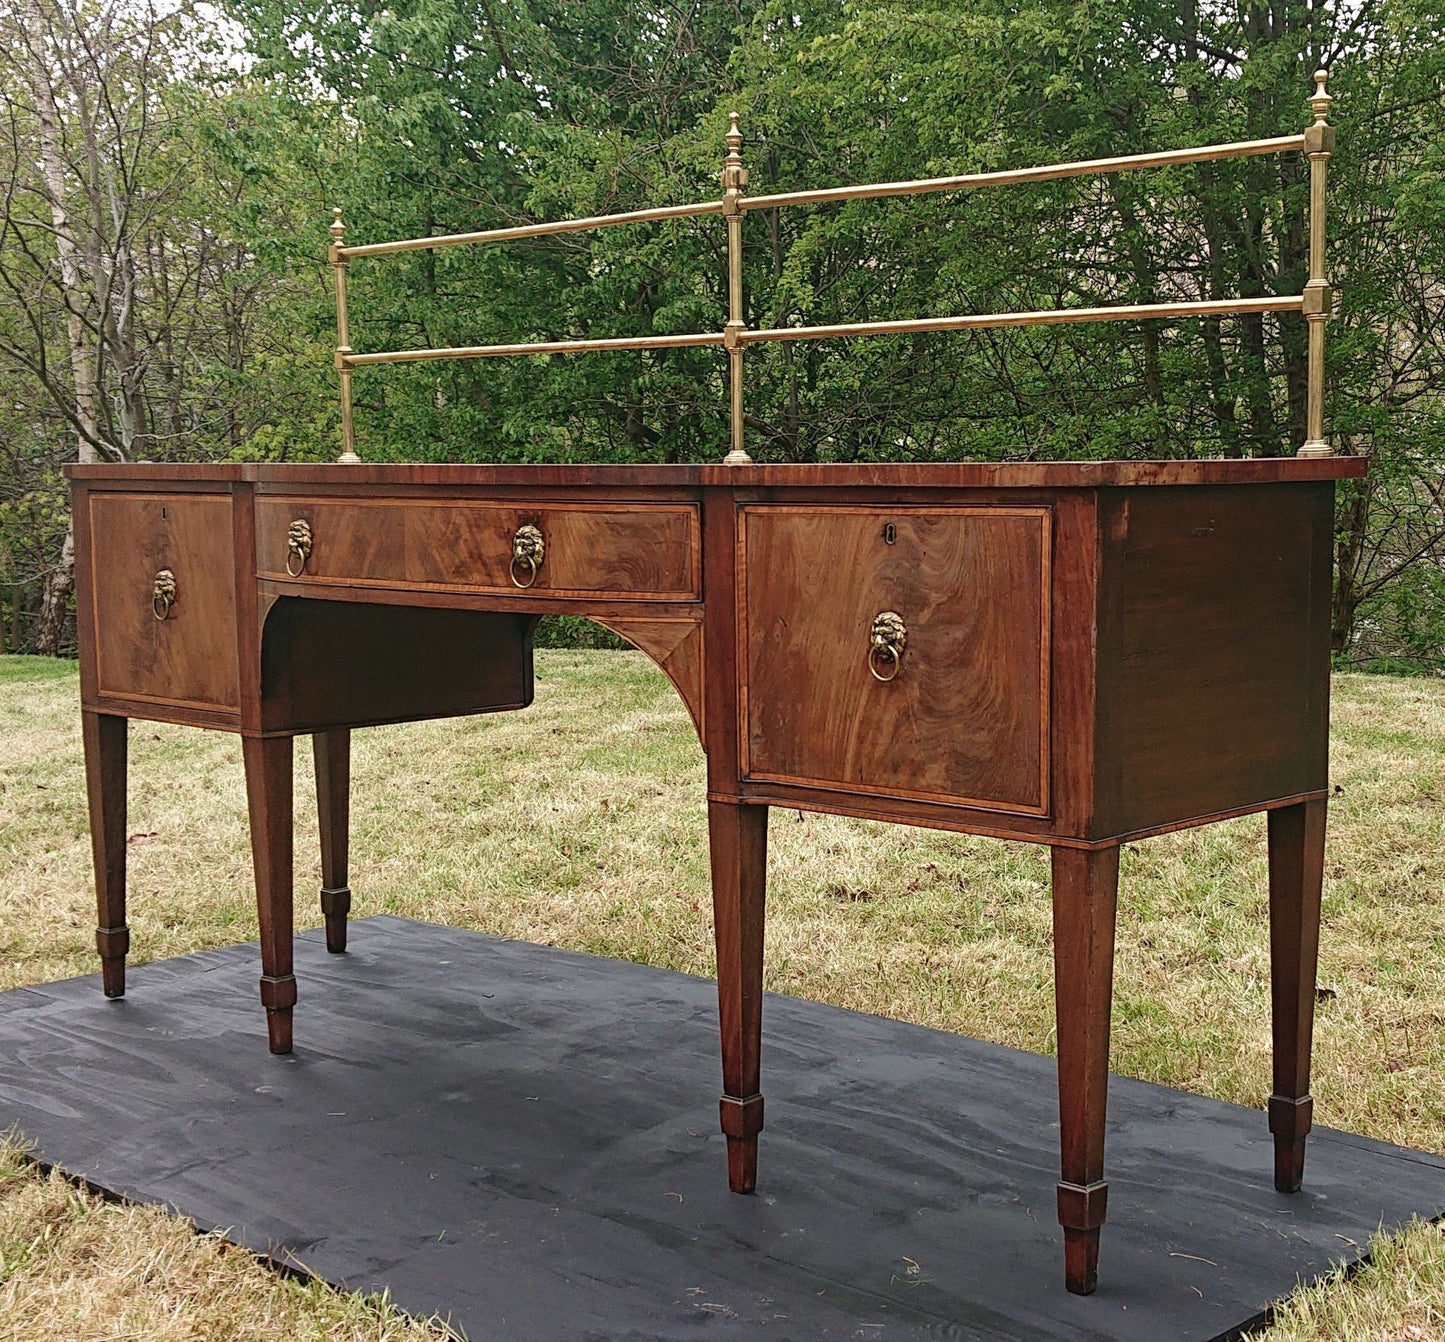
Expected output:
{"points": [[298, 546], [885, 649], [163, 594], [528, 551]]}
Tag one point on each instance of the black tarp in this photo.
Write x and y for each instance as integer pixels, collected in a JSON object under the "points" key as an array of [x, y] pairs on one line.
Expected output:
{"points": [[525, 1140]]}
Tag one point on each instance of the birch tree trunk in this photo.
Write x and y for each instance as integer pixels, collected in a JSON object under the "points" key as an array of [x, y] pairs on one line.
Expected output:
{"points": [[60, 581]]}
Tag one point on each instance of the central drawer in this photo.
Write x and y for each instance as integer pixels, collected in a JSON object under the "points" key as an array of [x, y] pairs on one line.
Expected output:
{"points": [[618, 550], [900, 651]]}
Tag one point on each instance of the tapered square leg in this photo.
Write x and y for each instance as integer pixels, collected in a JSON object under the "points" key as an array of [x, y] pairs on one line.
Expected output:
{"points": [[332, 751], [104, 738], [268, 792], [1296, 875], [1085, 895], [738, 837]]}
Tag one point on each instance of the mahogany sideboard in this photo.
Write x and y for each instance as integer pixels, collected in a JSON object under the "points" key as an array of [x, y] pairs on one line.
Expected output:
{"points": [[1075, 654]]}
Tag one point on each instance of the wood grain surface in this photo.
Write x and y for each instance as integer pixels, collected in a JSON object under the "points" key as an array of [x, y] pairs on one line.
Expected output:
{"points": [[1213, 674], [967, 716], [1095, 651], [332, 664], [641, 550], [190, 656], [865, 475]]}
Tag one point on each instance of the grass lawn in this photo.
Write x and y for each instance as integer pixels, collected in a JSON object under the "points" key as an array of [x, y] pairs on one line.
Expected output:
{"points": [[581, 823]]}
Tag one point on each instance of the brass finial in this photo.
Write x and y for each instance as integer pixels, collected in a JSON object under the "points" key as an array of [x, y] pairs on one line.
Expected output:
{"points": [[343, 339], [734, 175], [1319, 144], [734, 179]]}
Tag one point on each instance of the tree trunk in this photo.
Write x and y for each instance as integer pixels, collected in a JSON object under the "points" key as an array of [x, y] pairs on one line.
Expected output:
{"points": [[55, 604], [82, 358], [1145, 290], [1349, 547], [1264, 432], [60, 581]]}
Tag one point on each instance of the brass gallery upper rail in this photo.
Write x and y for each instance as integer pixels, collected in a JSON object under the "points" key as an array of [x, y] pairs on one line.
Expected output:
{"points": [[1317, 142]]}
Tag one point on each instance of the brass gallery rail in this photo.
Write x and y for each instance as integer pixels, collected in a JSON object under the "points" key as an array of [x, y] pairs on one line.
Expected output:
{"points": [[1316, 142]]}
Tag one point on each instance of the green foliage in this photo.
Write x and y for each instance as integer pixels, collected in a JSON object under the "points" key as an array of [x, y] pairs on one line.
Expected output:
{"points": [[439, 116], [622, 107], [570, 631]]}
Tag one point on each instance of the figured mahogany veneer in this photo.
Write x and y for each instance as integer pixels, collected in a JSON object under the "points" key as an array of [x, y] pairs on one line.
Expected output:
{"points": [[968, 723], [1094, 652], [648, 552], [189, 657]]}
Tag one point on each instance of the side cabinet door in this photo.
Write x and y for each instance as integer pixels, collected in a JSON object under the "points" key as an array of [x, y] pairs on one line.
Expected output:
{"points": [[189, 656], [964, 717]]}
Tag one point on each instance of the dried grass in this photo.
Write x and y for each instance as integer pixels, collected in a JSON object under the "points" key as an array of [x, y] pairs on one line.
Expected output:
{"points": [[77, 1268], [581, 823]]}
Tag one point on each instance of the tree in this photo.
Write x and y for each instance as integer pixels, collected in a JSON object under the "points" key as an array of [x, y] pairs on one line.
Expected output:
{"points": [[129, 310], [903, 90], [196, 192]]}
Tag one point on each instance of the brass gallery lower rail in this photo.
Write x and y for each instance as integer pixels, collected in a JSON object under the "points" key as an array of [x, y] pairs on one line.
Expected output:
{"points": [[1316, 142]]}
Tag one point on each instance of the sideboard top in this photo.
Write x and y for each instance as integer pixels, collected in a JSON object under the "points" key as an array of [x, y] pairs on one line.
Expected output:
{"points": [[875, 475]]}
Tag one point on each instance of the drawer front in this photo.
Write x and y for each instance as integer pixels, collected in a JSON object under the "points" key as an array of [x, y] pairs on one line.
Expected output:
{"points": [[189, 656], [622, 550], [964, 717]]}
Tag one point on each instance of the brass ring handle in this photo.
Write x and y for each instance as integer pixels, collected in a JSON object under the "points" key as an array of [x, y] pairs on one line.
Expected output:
{"points": [[529, 548], [888, 638], [163, 594], [888, 652], [298, 546]]}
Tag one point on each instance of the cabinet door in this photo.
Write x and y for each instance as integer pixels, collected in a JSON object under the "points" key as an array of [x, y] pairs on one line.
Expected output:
{"points": [[963, 717], [189, 656]]}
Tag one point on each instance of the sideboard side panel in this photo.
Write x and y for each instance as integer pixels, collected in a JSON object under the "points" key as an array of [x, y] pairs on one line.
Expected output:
{"points": [[1076, 563], [250, 609], [84, 592], [720, 530], [1213, 681], [327, 664]]}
